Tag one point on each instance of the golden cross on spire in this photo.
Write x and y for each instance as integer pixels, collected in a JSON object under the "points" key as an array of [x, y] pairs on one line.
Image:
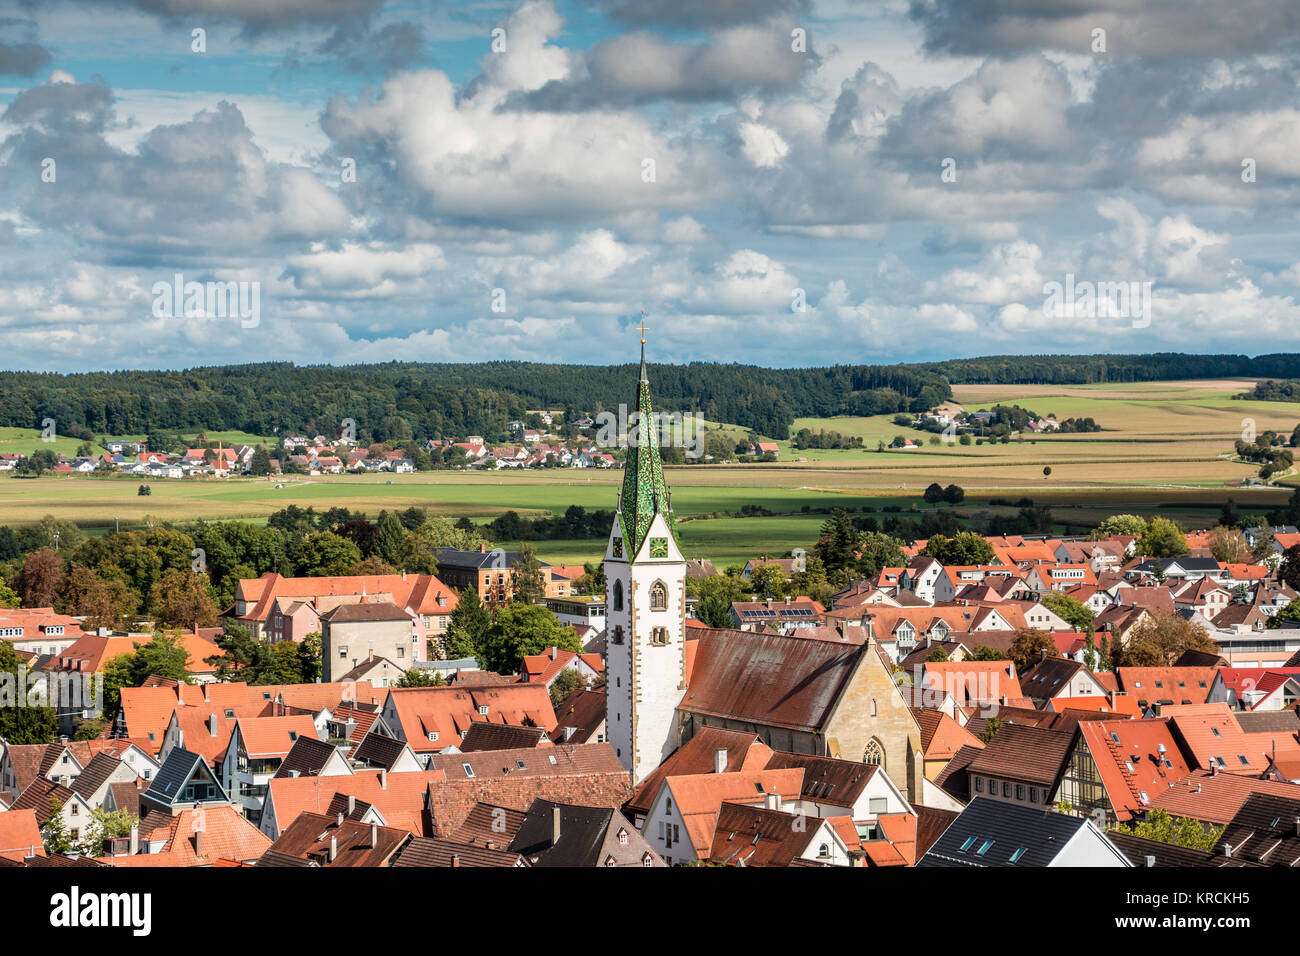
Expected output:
{"points": [[643, 326]]}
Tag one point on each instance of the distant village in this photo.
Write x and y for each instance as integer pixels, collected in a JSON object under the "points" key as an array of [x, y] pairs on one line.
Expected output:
{"points": [[320, 455]]}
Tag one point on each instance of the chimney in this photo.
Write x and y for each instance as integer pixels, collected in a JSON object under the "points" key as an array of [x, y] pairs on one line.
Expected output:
{"points": [[352, 803], [555, 824], [374, 834], [383, 780], [555, 650], [455, 859], [720, 760], [1227, 850], [133, 847], [773, 801], [1297, 826], [1149, 861], [482, 547], [334, 848], [212, 725], [205, 687], [180, 693], [198, 844]]}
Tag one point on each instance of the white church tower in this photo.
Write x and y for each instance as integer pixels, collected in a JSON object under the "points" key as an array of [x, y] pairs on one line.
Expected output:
{"points": [[645, 593]]}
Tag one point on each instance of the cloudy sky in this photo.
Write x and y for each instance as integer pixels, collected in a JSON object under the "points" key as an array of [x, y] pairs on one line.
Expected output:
{"points": [[784, 182]]}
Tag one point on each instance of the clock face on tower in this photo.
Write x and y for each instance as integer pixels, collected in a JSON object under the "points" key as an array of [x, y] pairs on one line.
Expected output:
{"points": [[618, 547], [658, 547]]}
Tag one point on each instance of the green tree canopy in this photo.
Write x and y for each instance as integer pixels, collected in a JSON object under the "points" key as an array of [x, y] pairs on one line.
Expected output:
{"points": [[522, 629]]}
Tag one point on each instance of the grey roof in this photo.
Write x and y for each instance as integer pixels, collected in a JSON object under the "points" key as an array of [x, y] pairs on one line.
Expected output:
{"points": [[1001, 829], [99, 769], [582, 833], [176, 771], [1138, 849], [376, 750], [1265, 830], [477, 560], [306, 758]]}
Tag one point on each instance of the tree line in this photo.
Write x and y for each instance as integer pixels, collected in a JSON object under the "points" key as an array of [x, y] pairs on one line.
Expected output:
{"points": [[398, 401]]}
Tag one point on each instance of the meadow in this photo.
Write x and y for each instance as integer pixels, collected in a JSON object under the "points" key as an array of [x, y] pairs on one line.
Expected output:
{"points": [[1164, 449]]}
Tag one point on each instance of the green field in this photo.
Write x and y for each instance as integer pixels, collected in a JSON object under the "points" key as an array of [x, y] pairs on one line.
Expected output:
{"points": [[1164, 449]]}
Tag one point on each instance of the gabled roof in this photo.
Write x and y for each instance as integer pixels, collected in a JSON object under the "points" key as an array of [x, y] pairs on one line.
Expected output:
{"points": [[942, 736], [1212, 738], [1171, 685], [1022, 752], [397, 797], [449, 711], [482, 735], [1265, 831], [427, 852], [582, 832], [20, 835], [200, 837], [744, 751], [1137, 760], [96, 773], [489, 825], [1139, 850], [756, 836], [770, 679], [39, 795], [306, 758], [699, 798], [313, 838], [376, 750], [1215, 797], [578, 716], [177, 770], [827, 779], [1049, 677], [273, 736], [989, 833]]}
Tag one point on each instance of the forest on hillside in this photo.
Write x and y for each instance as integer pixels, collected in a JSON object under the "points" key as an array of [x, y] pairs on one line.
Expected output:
{"points": [[398, 401]]}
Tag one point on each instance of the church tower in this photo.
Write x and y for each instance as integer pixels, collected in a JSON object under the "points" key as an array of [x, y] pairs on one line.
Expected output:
{"points": [[645, 594]]}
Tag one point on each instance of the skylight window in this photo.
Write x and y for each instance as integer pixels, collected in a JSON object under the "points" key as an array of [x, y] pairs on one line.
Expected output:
{"points": [[1015, 857], [984, 848], [967, 844]]}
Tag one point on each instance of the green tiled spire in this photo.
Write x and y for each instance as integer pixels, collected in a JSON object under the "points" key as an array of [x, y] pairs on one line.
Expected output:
{"points": [[645, 493]]}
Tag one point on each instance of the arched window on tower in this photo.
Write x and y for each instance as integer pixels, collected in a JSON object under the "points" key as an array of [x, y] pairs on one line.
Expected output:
{"points": [[618, 595], [658, 596]]}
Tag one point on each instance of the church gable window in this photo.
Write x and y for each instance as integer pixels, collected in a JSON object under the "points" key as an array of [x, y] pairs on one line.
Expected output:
{"points": [[618, 595]]}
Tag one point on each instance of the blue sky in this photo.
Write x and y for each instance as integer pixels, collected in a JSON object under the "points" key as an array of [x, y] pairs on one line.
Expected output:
{"points": [[502, 207]]}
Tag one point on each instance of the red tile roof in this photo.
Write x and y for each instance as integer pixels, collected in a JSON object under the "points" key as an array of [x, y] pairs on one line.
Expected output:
{"points": [[1132, 766]]}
